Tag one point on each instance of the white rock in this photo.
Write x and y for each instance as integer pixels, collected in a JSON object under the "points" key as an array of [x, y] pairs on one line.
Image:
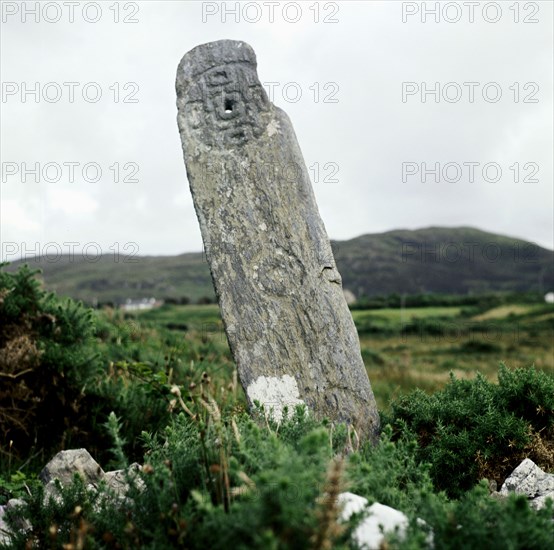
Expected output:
{"points": [[540, 502], [64, 466], [351, 504], [379, 521], [528, 479]]}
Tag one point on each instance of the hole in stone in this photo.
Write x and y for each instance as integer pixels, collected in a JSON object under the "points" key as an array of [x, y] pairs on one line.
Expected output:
{"points": [[229, 103]]}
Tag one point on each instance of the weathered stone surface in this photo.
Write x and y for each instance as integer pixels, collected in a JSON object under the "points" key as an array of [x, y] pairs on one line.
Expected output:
{"points": [[118, 480], [62, 469], [279, 291], [67, 463], [4, 531], [20, 523], [79, 461], [528, 479]]}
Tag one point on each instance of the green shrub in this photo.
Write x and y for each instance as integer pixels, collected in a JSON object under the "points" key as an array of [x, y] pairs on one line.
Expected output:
{"points": [[52, 523], [391, 472], [47, 360], [478, 521], [16, 485], [234, 482], [211, 482], [131, 389], [57, 385], [474, 429]]}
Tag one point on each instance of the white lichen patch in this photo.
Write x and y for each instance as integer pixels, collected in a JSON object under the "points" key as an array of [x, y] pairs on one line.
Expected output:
{"points": [[275, 393], [272, 127]]}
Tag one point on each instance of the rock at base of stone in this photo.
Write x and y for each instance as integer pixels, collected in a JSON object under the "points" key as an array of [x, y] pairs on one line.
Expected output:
{"points": [[379, 520], [66, 464], [20, 524], [528, 479], [61, 471], [119, 481]]}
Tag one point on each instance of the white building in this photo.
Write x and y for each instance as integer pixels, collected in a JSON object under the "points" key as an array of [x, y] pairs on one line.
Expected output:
{"points": [[138, 305]]}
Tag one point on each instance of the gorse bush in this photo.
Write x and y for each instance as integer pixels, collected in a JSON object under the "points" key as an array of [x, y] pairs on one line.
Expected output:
{"points": [[139, 398], [474, 429], [64, 368], [210, 482], [47, 359], [391, 473], [476, 520], [230, 481]]}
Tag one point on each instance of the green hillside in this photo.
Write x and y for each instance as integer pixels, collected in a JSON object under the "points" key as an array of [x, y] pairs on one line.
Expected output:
{"points": [[436, 259], [443, 260]]}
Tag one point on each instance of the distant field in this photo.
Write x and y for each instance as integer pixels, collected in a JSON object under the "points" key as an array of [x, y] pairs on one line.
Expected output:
{"points": [[504, 311], [409, 348], [194, 316], [401, 315]]}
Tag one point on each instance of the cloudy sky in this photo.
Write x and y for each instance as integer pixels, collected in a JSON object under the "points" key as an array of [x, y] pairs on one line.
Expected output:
{"points": [[408, 116]]}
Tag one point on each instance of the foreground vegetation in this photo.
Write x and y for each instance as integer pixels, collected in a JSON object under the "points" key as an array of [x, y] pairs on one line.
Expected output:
{"points": [[160, 388]]}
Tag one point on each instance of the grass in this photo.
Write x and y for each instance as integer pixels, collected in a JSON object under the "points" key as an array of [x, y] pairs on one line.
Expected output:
{"points": [[402, 315], [399, 361], [450, 342], [195, 317], [504, 311]]}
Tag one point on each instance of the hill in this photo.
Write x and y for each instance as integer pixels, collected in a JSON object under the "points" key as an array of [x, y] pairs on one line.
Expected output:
{"points": [[443, 260], [436, 259]]}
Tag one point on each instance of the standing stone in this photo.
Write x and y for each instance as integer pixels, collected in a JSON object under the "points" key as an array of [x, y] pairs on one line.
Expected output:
{"points": [[288, 325]]}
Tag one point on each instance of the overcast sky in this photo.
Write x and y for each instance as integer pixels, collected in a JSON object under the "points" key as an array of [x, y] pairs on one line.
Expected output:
{"points": [[351, 75]]}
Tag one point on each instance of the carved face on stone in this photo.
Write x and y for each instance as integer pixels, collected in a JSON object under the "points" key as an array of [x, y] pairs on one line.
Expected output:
{"points": [[230, 107]]}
